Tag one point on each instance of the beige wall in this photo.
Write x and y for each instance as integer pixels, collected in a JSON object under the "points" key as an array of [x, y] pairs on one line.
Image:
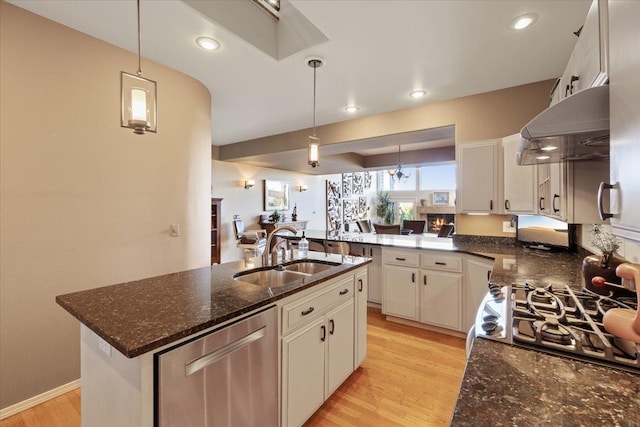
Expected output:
{"points": [[228, 183], [85, 203]]}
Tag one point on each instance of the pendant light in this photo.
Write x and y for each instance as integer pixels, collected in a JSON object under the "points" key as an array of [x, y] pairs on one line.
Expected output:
{"points": [[397, 174], [313, 157], [138, 97]]}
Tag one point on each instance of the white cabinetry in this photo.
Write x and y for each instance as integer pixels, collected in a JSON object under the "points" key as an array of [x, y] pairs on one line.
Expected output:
{"points": [[478, 166], [320, 346], [568, 190], [361, 318], [588, 63], [520, 185], [375, 269], [624, 34], [477, 273], [423, 286], [441, 298]]}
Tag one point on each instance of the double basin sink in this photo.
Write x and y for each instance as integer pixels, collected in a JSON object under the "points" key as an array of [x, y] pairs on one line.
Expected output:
{"points": [[283, 274]]}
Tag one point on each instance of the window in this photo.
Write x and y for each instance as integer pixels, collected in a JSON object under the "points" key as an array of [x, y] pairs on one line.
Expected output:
{"points": [[438, 177]]}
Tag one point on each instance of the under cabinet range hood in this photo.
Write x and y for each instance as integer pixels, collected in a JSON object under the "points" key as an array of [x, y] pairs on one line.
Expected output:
{"points": [[575, 128]]}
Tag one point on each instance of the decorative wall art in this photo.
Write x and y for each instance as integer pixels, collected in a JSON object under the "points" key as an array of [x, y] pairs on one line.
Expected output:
{"points": [[363, 208], [441, 198], [276, 195], [334, 211], [358, 184], [347, 182], [367, 180], [350, 210]]}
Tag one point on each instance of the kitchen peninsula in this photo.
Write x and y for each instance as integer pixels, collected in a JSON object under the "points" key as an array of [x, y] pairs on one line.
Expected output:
{"points": [[144, 320]]}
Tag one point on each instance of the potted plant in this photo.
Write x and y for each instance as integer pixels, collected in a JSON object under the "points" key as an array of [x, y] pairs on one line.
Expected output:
{"points": [[601, 265], [275, 216], [384, 207]]}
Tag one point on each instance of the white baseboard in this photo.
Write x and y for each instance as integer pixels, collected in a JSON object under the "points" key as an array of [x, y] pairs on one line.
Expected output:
{"points": [[36, 400]]}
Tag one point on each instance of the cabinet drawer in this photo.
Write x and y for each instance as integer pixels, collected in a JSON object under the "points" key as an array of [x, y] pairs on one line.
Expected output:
{"points": [[398, 257], [441, 262], [299, 312]]}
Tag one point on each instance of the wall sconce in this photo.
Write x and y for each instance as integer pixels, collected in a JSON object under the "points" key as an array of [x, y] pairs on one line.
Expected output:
{"points": [[303, 188], [248, 184]]}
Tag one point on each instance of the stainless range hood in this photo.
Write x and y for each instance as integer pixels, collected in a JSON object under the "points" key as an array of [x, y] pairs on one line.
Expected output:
{"points": [[575, 128]]}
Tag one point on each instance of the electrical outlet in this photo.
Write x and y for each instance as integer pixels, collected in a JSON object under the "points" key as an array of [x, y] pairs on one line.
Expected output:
{"points": [[104, 346], [507, 227], [175, 230]]}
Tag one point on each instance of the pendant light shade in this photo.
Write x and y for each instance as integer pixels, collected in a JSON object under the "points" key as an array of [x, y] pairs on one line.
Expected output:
{"points": [[313, 157], [138, 95]]}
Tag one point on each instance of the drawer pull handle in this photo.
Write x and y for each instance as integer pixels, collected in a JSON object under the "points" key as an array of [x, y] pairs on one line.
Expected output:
{"points": [[553, 203], [413, 277], [332, 326], [324, 333], [370, 252], [424, 279], [488, 275], [400, 259], [541, 203], [308, 311], [440, 263], [344, 291], [360, 285]]}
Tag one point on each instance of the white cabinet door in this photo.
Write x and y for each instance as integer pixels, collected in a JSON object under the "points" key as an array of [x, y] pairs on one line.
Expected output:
{"points": [[590, 62], [304, 372], [476, 279], [361, 319], [478, 173], [441, 299], [624, 61], [557, 191], [340, 346], [520, 185], [400, 293]]}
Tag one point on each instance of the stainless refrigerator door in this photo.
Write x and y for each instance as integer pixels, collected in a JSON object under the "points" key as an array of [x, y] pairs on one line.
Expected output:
{"points": [[226, 378]]}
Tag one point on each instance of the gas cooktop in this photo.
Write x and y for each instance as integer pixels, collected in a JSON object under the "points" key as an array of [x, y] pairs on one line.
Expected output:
{"points": [[559, 320]]}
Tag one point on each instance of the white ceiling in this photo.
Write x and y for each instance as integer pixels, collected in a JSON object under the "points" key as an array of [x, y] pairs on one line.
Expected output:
{"points": [[378, 51]]}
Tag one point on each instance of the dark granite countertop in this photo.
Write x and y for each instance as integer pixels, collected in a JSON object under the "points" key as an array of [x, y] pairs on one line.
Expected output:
{"points": [[505, 385], [143, 315]]}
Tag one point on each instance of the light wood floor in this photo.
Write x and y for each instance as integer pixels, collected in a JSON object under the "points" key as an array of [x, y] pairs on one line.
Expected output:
{"points": [[409, 378]]}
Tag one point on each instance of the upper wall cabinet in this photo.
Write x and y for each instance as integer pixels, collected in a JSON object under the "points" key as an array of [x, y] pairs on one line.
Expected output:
{"points": [[625, 118], [479, 171], [588, 64], [520, 184]]}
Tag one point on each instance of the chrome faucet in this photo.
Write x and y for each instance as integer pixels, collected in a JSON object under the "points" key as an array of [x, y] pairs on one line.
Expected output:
{"points": [[267, 247]]}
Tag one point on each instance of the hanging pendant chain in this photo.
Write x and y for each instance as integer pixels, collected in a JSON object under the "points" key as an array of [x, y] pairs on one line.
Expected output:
{"points": [[139, 56], [315, 67]]}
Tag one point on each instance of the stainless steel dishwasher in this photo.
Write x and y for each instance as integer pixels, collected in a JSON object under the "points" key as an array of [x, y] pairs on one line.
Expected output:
{"points": [[228, 377]]}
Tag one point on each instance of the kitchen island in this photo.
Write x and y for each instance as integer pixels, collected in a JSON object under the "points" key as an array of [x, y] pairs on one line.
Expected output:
{"points": [[146, 319]]}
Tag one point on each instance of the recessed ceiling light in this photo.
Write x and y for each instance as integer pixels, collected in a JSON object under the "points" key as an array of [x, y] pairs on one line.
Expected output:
{"points": [[523, 21], [549, 148], [208, 43], [543, 157], [351, 109], [418, 93]]}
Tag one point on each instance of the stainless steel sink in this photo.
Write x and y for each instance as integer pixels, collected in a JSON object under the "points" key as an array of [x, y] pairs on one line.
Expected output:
{"points": [[283, 274], [309, 267]]}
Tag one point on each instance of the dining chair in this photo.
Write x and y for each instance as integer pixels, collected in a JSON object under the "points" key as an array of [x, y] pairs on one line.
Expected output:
{"points": [[417, 225], [364, 225], [387, 229]]}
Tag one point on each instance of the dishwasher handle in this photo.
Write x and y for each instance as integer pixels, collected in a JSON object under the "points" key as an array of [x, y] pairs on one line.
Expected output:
{"points": [[211, 358]]}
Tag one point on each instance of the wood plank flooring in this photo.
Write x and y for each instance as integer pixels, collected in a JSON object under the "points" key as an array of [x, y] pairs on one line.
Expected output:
{"points": [[409, 378]]}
